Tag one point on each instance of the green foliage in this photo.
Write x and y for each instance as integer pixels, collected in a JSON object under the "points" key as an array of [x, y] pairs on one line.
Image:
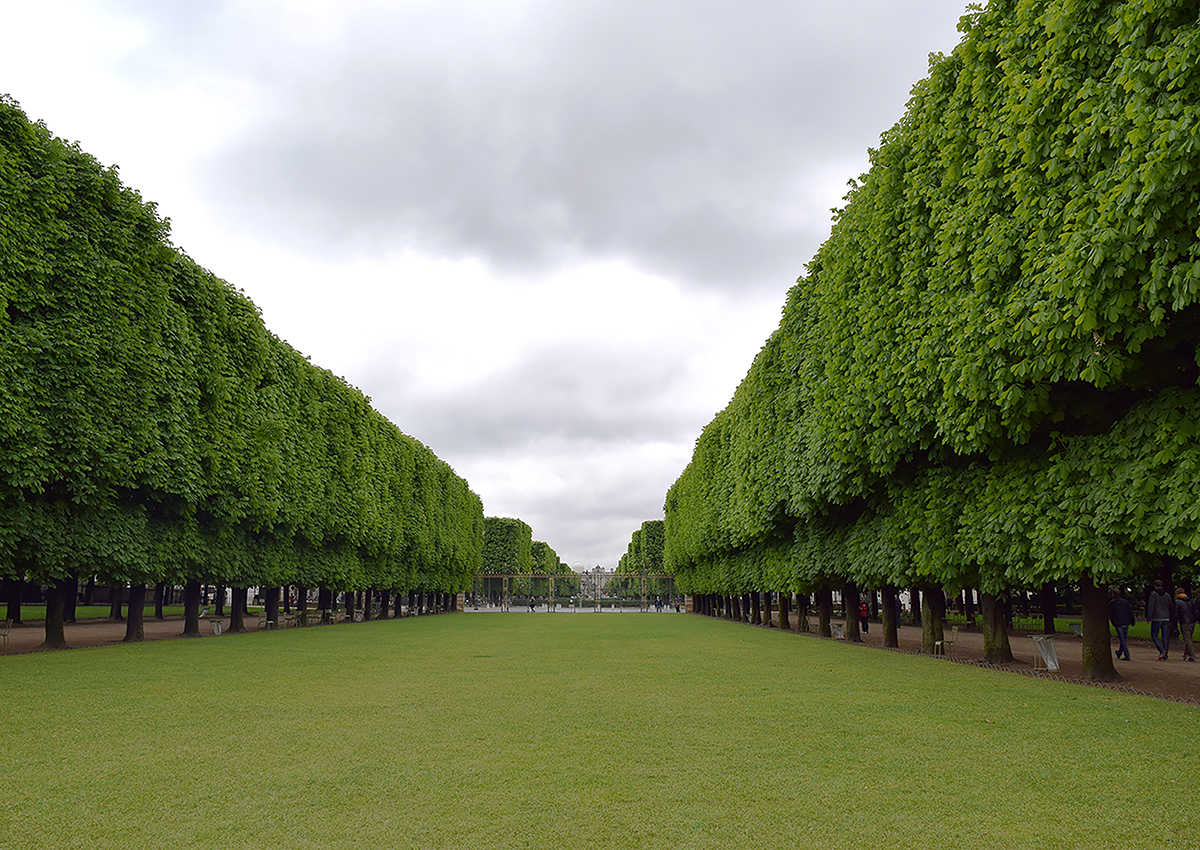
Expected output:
{"points": [[645, 552], [152, 428], [987, 376], [507, 546]]}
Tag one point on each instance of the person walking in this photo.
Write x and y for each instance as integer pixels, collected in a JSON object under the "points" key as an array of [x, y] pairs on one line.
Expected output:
{"points": [[1185, 616], [1120, 614], [1158, 612]]}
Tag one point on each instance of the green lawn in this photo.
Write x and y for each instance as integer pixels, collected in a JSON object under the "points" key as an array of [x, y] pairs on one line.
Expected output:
{"points": [[575, 730], [32, 613]]}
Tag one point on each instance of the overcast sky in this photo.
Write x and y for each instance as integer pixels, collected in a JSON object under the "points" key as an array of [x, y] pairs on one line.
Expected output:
{"points": [[546, 237]]}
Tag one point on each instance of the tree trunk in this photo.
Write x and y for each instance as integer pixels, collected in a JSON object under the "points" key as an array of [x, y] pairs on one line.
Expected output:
{"points": [[996, 648], [237, 605], [785, 611], [271, 604], [159, 593], [914, 598], [302, 605], [135, 630], [850, 600], [891, 612], [825, 612], [397, 610], [933, 618], [115, 592], [1097, 645], [219, 600], [191, 609], [349, 597], [1166, 572], [384, 601], [969, 607], [13, 589], [56, 637], [1049, 602], [70, 597], [287, 599], [756, 608]]}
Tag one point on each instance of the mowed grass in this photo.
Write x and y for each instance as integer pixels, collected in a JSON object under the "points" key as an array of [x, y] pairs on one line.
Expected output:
{"points": [[575, 730]]}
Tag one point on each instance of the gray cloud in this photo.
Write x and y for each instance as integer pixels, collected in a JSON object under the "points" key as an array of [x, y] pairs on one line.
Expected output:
{"points": [[679, 135], [580, 441], [582, 394]]}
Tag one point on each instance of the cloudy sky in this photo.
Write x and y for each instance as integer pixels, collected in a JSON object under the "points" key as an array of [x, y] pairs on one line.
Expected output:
{"points": [[546, 237]]}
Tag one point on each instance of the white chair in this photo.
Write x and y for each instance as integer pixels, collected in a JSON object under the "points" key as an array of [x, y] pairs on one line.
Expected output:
{"points": [[1046, 654], [839, 631], [940, 647]]}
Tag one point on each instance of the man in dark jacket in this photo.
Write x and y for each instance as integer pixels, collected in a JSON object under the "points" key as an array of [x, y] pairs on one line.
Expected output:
{"points": [[1185, 616], [1158, 612], [1120, 614]]}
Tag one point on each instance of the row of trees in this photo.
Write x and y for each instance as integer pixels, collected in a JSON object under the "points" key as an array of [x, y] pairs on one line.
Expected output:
{"points": [[644, 554], [509, 550], [153, 430], [640, 570], [988, 376]]}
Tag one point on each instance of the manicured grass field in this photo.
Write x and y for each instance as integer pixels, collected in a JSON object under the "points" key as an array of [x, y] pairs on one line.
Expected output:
{"points": [[575, 730], [31, 613]]}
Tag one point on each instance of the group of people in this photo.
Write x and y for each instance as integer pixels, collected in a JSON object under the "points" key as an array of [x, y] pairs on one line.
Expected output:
{"points": [[1165, 615]]}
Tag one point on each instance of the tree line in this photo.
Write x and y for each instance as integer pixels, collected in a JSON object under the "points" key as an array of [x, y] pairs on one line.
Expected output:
{"points": [[153, 430], [987, 377]]}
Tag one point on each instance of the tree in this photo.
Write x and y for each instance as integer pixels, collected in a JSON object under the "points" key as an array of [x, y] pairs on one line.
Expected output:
{"points": [[1002, 322]]}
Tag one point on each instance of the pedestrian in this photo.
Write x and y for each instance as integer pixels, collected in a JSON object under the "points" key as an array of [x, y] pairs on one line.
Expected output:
{"points": [[1120, 614], [1185, 616], [1158, 612], [864, 616]]}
